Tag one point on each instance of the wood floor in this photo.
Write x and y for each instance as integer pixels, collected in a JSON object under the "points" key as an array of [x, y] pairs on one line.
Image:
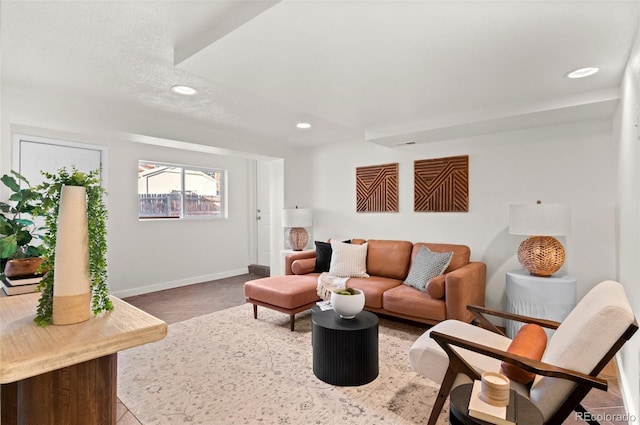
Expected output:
{"points": [[175, 305]]}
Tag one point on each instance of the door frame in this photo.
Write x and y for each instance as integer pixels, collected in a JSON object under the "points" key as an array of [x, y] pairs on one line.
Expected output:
{"points": [[276, 202], [17, 138]]}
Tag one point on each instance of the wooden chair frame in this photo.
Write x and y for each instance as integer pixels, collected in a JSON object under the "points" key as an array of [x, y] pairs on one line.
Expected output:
{"points": [[457, 364]]}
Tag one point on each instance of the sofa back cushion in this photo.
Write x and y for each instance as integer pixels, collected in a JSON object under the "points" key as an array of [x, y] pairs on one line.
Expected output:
{"points": [[461, 253], [387, 258]]}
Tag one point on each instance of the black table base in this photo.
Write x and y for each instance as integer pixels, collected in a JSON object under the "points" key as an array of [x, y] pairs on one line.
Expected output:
{"points": [[345, 351]]}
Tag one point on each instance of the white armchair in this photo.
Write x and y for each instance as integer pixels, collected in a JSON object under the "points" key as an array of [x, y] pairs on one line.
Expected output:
{"points": [[454, 352]]}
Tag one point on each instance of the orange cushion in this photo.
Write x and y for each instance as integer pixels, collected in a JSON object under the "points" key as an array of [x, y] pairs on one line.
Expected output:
{"points": [[530, 342], [435, 287], [303, 266], [287, 292]]}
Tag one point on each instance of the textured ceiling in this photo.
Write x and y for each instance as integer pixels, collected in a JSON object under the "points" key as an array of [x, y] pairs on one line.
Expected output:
{"points": [[389, 71]]}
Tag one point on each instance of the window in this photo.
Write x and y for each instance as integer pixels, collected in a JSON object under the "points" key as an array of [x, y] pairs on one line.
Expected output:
{"points": [[176, 191]]}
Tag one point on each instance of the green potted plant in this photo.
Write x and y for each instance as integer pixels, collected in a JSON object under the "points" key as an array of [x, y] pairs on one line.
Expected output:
{"points": [[51, 191], [18, 255]]}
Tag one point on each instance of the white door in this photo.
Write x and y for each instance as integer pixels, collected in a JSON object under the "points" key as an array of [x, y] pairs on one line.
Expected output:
{"points": [[35, 154], [263, 212]]}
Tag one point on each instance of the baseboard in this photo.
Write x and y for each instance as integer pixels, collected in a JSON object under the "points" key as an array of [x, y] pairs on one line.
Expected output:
{"points": [[178, 283], [629, 406]]}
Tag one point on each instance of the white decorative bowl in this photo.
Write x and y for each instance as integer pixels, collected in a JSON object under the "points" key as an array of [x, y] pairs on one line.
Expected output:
{"points": [[347, 306]]}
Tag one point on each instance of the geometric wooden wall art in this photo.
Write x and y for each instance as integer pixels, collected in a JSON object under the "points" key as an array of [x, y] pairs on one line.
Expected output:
{"points": [[441, 185], [377, 188]]}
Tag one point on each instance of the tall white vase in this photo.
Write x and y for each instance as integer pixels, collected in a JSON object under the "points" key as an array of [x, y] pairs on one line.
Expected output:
{"points": [[71, 283]]}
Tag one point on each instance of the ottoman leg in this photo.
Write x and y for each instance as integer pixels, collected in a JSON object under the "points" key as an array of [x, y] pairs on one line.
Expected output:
{"points": [[292, 321], [255, 311]]}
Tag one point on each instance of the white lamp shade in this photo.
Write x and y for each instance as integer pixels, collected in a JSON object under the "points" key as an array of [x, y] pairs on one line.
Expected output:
{"points": [[296, 217], [540, 219]]}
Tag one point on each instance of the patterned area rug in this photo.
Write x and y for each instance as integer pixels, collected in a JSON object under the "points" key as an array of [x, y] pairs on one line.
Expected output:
{"points": [[227, 368]]}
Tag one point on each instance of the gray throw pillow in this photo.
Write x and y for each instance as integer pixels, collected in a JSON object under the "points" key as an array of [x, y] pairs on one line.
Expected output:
{"points": [[425, 266]]}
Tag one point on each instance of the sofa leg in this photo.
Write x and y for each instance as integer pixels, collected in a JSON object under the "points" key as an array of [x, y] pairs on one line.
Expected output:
{"points": [[255, 311], [292, 321]]}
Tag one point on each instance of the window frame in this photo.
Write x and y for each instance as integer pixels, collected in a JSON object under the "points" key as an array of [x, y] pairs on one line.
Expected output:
{"points": [[183, 168]]}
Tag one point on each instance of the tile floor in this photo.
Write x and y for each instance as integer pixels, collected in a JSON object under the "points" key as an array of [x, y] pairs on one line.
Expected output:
{"points": [[179, 304]]}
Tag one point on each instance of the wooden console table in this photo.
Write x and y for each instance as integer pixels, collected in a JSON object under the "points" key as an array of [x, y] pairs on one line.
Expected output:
{"points": [[65, 374]]}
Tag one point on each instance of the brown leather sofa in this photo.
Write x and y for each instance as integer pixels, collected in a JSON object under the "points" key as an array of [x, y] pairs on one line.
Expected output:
{"points": [[388, 264]]}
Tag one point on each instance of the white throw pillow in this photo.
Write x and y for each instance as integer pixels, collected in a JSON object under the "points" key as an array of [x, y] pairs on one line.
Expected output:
{"points": [[348, 260]]}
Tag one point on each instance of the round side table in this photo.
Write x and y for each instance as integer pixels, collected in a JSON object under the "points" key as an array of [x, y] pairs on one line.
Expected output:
{"points": [[345, 351], [526, 412], [550, 298]]}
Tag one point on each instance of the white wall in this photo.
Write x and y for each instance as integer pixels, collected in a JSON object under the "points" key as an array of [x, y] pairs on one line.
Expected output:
{"points": [[154, 254], [144, 256], [571, 164], [626, 121]]}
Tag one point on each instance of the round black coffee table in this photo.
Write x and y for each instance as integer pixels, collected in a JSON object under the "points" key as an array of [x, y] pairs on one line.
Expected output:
{"points": [[345, 351], [526, 412]]}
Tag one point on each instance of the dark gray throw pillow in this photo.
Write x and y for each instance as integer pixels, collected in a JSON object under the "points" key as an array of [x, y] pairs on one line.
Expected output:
{"points": [[425, 266], [323, 256]]}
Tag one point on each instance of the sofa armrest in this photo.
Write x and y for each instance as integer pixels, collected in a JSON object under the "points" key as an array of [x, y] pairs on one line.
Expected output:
{"points": [[465, 286], [300, 255]]}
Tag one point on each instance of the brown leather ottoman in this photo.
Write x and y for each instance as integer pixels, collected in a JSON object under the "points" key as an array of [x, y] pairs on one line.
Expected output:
{"points": [[288, 294]]}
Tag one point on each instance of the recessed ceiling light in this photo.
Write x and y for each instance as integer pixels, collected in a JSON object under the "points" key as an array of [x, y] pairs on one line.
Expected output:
{"points": [[582, 72], [303, 125], [184, 90]]}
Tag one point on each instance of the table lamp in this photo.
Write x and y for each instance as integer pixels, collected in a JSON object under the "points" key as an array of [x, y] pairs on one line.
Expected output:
{"points": [[541, 254], [295, 220]]}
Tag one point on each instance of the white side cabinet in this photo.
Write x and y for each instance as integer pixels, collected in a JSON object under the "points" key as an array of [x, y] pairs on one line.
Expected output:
{"points": [[550, 298], [283, 256]]}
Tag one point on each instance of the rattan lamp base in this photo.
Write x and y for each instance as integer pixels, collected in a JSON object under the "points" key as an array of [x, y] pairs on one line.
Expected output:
{"points": [[297, 237], [541, 255]]}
